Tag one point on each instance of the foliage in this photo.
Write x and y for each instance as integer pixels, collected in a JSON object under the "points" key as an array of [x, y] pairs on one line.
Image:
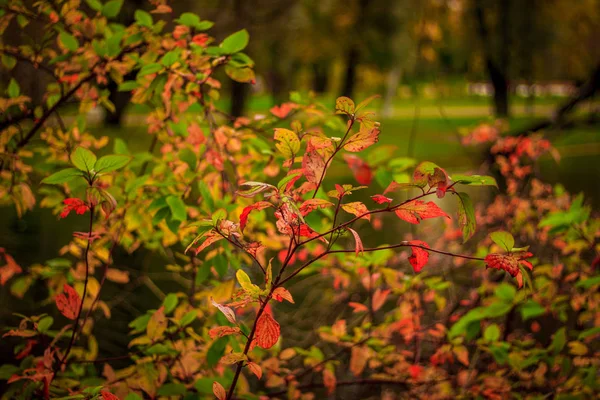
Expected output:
{"points": [[243, 209]]}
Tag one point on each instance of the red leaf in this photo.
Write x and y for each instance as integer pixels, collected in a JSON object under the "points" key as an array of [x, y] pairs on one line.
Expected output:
{"points": [[261, 205], [360, 169], [359, 246], [10, 269], [329, 381], [417, 210], [419, 256], [415, 371], [313, 165], [357, 208], [362, 140], [281, 294], [106, 395], [219, 391], [510, 263], [68, 302], [221, 331], [267, 331], [255, 368], [381, 199]]}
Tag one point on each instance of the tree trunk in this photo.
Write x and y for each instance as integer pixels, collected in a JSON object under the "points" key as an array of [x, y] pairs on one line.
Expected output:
{"points": [[120, 101], [350, 76], [239, 92], [320, 76], [497, 67]]}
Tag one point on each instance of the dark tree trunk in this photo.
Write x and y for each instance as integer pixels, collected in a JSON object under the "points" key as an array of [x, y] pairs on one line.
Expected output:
{"points": [[497, 67], [120, 100], [239, 92], [320, 77], [350, 76]]}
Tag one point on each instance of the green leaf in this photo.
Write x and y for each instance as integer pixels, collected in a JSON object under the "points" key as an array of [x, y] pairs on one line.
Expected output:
{"points": [[172, 389], [9, 61], [588, 283], [503, 239], [68, 41], [466, 216], [112, 8], [245, 282], [188, 19], [531, 309], [190, 316], [143, 18], [189, 157], [95, 5], [492, 333], [235, 42], [589, 332], [45, 323], [13, 89], [558, 341], [474, 180], [506, 292], [111, 162], [149, 69], [62, 176], [170, 58], [120, 147], [177, 207], [8, 370], [170, 302], [128, 86], [83, 159], [286, 179]]}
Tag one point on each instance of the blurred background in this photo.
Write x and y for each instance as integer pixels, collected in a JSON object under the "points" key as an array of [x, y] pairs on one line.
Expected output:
{"points": [[441, 67]]}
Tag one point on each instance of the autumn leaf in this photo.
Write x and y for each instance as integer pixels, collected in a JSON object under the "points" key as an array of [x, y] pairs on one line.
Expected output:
{"points": [[419, 256], [362, 140], [395, 186], [255, 369], [462, 354], [358, 245], [288, 143], [157, 324], [358, 307], [227, 312], [106, 395], [281, 294], [283, 110], [358, 359], [357, 208], [10, 269], [360, 169], [68, 302], [211, 237], [381, 199], [267, 331], [261, 205], [329, 381], [344, 105], [221, 331], [310, 205], [416, 210], [313, 166], [509, 262], [379, 297], [219, 391], [415, 372], [466, 216]]}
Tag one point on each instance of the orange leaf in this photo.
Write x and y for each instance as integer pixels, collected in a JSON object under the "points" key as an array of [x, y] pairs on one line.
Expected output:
{"points": [[379, 298], [11, 268], [211, 237], [261, 205], [255, 368], [357, 208], [310, 205], [358, 307], [329, 381], [417, 210], [219, 391], [227, 312], [221, 331], [360, 169], [362, 140], [358, 359], [68, 302], [157, 324], [283, 110], [358, 242], [462, 354], [281, 294], [419, 256], [267, 331]]}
